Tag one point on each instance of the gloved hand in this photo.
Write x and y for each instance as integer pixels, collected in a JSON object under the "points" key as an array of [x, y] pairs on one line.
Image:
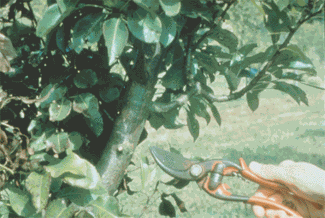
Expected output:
{"points": [[303, 179]]}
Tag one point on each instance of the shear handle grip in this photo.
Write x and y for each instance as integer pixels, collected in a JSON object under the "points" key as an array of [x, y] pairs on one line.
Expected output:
{"points": [[248, 174], [271, 204]]}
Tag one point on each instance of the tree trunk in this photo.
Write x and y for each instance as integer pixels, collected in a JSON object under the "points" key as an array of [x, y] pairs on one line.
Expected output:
{"points": [[127, 129]]}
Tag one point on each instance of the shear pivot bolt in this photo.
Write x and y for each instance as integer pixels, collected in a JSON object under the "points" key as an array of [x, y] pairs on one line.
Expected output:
{"points": [[196, 170]]}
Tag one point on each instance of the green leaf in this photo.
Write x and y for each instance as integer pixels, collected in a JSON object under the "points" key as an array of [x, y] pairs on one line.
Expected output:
{"points": [[257, 58], [258, 7], [166, 208], [38, 185], [313, 81], [76, 195], [66, 5], [301, 93], [20, 201], [144, 170], [207, 14], [148, 174], [275, 37], [75, 171], [95, 122], [4, 210], [270, 51], [232, 79], [208, 62], [216, 51], [59, 110], [169, 119], [225, 38], [174, 77], [262, 84], [252, 100], [43, 127], [115, 3], [62, 37], [302, 3], [109, 94], [295, 92], [248, 48], [174, 150], [75, 140], [148, 5], [84, 213], [191, 8], [85, 103], [40, 157], [281, 14], [171, 7], [292, 57], [59, 142], [33, 124], [193, 125], [198, 106], [200, 77], [38, 142], [168, 30], [156, 120], [49, 21], [215, 113], [89, 29], [106, 206], [53, 93], [58, 209], [85, 79], [116, 37], [278, 72], [145, 26], [172, 120], [272, 18], [194, 68], [56, 183]]}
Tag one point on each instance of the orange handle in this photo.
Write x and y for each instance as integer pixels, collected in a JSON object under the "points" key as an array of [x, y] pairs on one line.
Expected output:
{"points": [[272, 205], [248, 174]]}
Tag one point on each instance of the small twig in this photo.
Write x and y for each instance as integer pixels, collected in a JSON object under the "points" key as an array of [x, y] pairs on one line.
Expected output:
{"points": [[27, 100], [31, 10], [7, 156], [7, 169], [159, 107], [148, 200], [137, 168], [310, 16]]}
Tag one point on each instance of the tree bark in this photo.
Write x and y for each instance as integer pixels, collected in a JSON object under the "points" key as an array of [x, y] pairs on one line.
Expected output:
{"points": [[128, 128]]}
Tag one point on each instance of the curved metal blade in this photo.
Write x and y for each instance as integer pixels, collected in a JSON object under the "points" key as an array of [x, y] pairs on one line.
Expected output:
{"points": [[173, 164]]}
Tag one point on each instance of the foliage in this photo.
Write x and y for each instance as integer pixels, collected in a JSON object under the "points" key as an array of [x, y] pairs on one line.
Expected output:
{"points": [[69, 92]]}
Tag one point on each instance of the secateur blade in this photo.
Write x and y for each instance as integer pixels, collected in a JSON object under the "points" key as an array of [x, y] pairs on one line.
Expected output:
{"points": [[172, 163]]}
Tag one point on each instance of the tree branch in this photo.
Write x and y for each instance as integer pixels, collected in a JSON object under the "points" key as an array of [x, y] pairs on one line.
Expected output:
{"points": [[128, 127], [236, 95], [181, 100]]}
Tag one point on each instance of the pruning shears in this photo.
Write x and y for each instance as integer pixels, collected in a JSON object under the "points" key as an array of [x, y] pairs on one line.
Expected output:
{"points": [[209, 174]]}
